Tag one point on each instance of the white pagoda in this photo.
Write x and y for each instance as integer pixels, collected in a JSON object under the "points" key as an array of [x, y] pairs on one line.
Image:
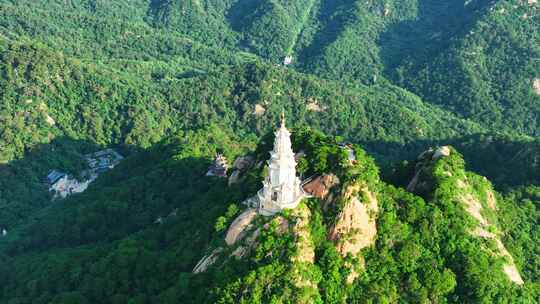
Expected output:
{"points": [[281, 188]]}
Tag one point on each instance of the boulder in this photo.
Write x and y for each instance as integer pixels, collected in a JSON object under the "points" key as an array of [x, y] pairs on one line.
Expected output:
{"points": [[441, 152], [240, 225], [243, 162], [259, 110]]}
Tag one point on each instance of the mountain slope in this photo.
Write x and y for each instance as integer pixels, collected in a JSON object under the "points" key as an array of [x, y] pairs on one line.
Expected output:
{"points": [[423, 248], [488, 74], [138, 104]]}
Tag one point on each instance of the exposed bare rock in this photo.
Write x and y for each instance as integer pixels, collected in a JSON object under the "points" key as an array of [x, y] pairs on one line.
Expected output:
{"points": [[424, 159], [531, 2], [299, 155], [259, 110], [239, 252], [536, 82], [240, 225], [314, 107], [411, 187], [251, 240], [509, 268], [43, 106], [282, 224], [491, 200], [424, 154], [461, 184], [287, 60], [355, 226], [474, 207], [207, 261], [441, 152], [234, 177], [320, 186], [305, 250], [49, 120], [304, 244], [243, 162]]}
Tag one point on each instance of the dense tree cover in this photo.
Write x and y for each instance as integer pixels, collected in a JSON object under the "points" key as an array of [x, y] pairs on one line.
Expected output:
{"points": [[23, 190], [105, 105], [169, 82], [477, 58], [105, 246], [487, 73], [47, 95], [520, 219], [112, 227]]}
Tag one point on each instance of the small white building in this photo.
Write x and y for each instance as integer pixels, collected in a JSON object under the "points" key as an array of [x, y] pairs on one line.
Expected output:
{"points": [[281, 187], [287, 60], [4, 232]]}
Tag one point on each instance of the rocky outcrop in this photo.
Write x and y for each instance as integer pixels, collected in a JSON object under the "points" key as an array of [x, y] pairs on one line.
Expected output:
{"points": [[301, 230], [441, 152], [250, 241], [425, 159], [243, 163], [240, 225], [473, 203], [259, 110], [474, 208], [207, 261], [355, 227], [240, 165], [536, 84]]}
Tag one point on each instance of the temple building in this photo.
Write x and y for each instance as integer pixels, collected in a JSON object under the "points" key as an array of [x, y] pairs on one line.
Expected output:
{"points": [[281, 187], [219, 167]]}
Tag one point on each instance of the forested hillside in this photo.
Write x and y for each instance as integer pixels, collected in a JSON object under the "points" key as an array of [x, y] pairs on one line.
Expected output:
{"points": [[170, 83], [478, 59], [107, 246]]}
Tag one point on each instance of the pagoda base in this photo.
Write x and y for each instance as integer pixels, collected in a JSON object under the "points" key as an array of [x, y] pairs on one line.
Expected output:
{"points": [[269, 207]]}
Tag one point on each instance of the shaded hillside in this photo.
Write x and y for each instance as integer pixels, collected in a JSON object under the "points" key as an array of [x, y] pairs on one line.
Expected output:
{"points": [[488, 74]]}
